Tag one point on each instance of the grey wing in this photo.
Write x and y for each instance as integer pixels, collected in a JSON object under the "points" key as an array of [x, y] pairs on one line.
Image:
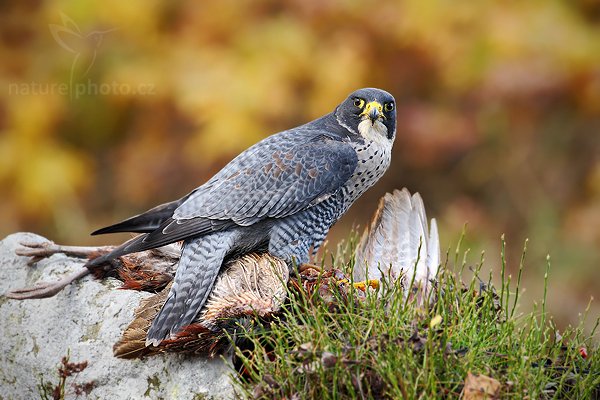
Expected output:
{"points": [[275, 180], [277, 177]]}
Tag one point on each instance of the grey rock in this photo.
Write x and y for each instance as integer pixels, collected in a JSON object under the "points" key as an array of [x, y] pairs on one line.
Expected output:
{"points": [[84, 321]]}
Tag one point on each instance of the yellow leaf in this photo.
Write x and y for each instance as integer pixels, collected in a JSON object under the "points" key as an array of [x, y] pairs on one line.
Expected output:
{"points": [[435, 321]]}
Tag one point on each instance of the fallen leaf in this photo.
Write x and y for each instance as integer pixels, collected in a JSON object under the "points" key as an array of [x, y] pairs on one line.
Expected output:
{"points": [[480, 387]]}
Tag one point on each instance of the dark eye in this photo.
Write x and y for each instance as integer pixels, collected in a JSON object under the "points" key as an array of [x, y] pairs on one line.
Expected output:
{"points": [[360, 103], [388, 107]]}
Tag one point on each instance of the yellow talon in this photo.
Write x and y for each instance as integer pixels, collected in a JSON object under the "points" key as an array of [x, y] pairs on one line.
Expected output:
{"points": [[374, 283]]}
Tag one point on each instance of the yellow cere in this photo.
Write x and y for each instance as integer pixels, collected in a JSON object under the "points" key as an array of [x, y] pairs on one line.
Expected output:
{"points": [[371, 105]]}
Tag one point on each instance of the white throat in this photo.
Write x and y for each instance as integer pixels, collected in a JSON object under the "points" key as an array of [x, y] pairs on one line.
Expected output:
{"points": [[376, 132]]}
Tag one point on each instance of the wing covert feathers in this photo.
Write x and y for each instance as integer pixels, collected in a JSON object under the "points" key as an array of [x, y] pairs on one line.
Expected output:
{"points": [[276, 178]]}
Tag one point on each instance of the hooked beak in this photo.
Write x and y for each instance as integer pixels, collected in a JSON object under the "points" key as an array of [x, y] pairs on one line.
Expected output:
{"points": [[373, 111]]}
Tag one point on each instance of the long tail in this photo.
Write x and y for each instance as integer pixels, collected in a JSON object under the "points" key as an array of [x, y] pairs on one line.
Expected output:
{"points": [[201, 260]]}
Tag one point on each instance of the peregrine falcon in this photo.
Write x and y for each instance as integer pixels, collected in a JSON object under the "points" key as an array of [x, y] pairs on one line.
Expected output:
{"points": [[281, 196]]}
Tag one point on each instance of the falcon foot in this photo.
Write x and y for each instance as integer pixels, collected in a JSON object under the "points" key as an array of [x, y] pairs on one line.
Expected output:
{"points": [[373, 283], [362, 285]]}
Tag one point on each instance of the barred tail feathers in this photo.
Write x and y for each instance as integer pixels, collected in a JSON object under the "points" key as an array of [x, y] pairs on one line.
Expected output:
{"points": [[200, 263]]}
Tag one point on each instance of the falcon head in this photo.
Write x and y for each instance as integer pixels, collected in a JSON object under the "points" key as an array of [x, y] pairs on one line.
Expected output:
{"points": [[370, 113]]}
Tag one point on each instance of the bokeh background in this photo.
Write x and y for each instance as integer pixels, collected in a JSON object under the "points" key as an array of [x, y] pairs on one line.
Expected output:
{"points": [[108, 108]]}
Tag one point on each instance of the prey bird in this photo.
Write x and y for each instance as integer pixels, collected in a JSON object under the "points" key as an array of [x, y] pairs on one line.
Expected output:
{"points": [[280, 196], [397, 252]]}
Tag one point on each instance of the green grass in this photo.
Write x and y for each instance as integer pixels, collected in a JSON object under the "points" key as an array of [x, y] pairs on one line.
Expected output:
{"points": [[389, 347]]}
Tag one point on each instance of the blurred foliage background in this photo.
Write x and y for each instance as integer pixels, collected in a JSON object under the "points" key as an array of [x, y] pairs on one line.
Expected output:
{"points": [[109, 108]]}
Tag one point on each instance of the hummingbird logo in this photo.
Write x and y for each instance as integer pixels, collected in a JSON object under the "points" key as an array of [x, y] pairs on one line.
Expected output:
{"points": [[84, 46]]}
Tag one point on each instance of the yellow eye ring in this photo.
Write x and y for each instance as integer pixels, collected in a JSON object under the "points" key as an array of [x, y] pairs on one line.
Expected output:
{"points": [[388, 107], [360, 103]]}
